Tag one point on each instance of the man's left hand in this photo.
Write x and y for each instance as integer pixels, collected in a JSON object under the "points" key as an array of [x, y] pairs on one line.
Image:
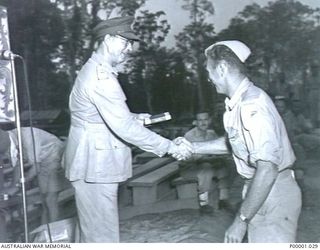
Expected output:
{"points": [[236, 231]]}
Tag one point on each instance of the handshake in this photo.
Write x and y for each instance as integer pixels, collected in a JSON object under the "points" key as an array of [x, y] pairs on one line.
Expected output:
{"points": [[181, 149]]}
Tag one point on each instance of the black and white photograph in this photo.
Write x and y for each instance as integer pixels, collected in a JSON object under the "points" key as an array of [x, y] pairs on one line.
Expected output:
{"points": [[159, 121]]}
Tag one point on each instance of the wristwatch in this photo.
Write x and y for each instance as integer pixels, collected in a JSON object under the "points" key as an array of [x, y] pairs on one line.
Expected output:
{"points": [[243, 218]]}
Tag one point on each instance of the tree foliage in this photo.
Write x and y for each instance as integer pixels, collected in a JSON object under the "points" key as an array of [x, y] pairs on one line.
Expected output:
{"points": [[146, 61], [198, 9], [191, 43], [36, 32], [54, 36], [281, 36]]}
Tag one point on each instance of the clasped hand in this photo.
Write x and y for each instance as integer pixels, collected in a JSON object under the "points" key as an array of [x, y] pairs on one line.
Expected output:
{"points": [[181, 149]]}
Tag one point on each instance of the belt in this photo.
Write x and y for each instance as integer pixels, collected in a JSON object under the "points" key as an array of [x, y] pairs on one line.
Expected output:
{"points": [[85, 124], [287, 168], [285, 173]]}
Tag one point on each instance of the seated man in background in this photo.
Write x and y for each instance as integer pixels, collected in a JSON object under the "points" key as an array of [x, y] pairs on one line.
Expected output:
{"points": [[44, 153], [206, 167]]}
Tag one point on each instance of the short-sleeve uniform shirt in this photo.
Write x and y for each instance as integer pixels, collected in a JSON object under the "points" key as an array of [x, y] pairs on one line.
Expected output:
{"points": [[255, 130]]}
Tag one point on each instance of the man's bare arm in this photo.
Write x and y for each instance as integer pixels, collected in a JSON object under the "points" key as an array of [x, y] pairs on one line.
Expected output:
{"points": [[260, 188], [216, 147], [258, 192]]}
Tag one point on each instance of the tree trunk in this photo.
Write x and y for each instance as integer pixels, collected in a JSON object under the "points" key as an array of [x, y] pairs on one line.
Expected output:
{"points": [[200, 89]]}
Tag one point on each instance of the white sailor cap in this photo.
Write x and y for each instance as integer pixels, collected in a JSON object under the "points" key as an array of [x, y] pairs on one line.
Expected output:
{"points": [[239, 48]]}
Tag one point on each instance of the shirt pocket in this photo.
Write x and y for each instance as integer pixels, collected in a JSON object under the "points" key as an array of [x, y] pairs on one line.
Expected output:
{"points": [[238, 146]]}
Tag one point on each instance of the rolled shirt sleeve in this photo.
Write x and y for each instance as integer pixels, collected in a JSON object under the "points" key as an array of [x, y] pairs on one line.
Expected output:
{"points": [[261, 134]]}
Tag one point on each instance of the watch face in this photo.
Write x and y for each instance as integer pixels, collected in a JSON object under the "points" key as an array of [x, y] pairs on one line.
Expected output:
{"points": [[243, 218]]}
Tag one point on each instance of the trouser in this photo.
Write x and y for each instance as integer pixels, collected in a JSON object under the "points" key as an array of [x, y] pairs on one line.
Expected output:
{"points": [[277, 219], [97, 207], [204, 172]]}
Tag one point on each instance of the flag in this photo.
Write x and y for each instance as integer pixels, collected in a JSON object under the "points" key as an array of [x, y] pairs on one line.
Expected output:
{"points": [[7, 113]]}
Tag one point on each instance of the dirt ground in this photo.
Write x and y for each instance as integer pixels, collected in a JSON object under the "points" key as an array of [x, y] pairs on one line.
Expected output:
{"points": [[190, 226]]}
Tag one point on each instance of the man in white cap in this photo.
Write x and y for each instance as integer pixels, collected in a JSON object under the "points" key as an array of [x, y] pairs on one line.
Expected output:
{"points": [[260, 148], [97, 155]]}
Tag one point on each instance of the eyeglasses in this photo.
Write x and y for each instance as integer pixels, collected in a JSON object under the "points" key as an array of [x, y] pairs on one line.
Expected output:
{"points": [[127, 41]]}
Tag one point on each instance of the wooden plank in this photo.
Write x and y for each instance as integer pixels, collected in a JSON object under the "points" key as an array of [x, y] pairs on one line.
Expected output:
{"points": [[33, 196], [125, 192], [156, 176], [180, 181], [66, 195], [148, 167], [12, 201], [144, 157]]}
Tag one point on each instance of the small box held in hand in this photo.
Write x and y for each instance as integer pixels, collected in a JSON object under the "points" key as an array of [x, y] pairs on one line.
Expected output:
{"points": [[157, 118]]}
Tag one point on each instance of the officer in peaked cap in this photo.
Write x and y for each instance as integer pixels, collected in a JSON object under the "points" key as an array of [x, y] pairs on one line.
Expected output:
{"points": [[97, 155], [260, 147], [120, 26]]}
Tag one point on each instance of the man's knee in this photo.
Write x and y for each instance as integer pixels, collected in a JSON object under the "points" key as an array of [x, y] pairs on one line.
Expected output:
{"points": [[205, 175], [223, 182], [222, 177]]}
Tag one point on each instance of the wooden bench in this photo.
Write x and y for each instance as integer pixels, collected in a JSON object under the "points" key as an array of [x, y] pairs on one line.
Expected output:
{"points": [[125, 192], [34, 206], [143, 157], [150, 166], [145, 188], [66, 195], [186, 188]]}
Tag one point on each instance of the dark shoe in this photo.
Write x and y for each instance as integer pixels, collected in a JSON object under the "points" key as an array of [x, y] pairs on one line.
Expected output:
{"points": [[206, 209], [225, 205]]}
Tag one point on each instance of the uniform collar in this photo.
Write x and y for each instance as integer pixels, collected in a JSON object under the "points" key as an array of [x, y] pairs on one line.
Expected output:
{"points": [[97, 58], [244, 85]]}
